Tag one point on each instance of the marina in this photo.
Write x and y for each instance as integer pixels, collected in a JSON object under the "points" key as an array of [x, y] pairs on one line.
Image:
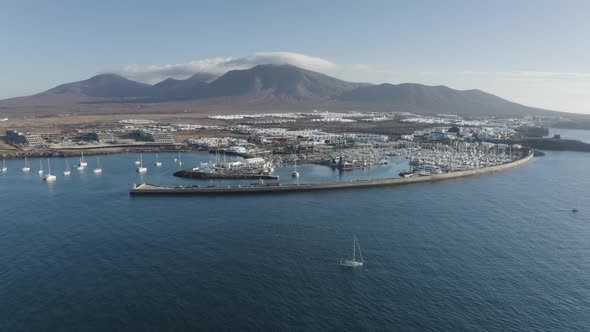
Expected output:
{"points": [[150, 189], [250, 168], [382, 165]]}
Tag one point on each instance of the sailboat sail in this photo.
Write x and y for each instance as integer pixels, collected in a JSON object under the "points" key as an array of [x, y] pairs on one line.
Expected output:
{"points": [[353, 262]]}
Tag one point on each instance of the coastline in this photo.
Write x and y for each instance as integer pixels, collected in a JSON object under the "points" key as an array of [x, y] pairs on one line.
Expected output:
{"points": [[149, 189], [89, 151]]}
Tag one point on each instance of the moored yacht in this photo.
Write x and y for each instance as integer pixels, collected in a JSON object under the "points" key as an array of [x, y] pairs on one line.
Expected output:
{"points": [[26, 168], [295, 174], [67, 170], [98, 169], [140, 168], [49, 177], [82, 164]]}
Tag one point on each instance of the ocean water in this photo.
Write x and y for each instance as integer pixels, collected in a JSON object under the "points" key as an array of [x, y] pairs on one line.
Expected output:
{"points": [[499, 252]]}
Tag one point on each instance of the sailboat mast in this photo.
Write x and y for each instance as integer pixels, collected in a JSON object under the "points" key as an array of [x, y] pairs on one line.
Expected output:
{"points": [[354, 248]]}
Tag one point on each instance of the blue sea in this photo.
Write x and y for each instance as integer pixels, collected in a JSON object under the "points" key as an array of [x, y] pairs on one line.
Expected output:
{"points": [[498, 252]]}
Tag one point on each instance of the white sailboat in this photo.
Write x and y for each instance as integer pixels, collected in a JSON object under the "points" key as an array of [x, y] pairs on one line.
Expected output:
{"points": [[158, 162], [4, 169], [49, 177], [98, 169], [82, 164], [26, 168], [353, 262], [138, 162], [40, 171], [140, 168], [295, 174], [67, 170], [179, 161]]}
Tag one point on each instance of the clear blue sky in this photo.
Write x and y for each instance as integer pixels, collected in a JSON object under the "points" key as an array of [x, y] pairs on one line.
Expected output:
{"points": [[533, 52]]}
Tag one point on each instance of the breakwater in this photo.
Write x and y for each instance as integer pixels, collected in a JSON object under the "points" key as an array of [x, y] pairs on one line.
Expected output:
{"points": [[150, 189]]}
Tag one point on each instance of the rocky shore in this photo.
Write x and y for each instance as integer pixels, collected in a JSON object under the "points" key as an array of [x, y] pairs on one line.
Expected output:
{"points": [[552, 144]]}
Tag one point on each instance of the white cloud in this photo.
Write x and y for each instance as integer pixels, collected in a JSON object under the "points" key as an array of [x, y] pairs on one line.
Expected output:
{"points": [[428, 73], [546, 74], [220, 65], [474, 72]]}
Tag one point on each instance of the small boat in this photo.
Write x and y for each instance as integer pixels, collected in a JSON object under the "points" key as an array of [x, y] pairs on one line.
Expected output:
{"points": [[82, 164], [98, 169], [137, 162], [4, 169], [67, 170], [574, 210], [179, 161], [26, 168], [295, 174], [140, 168], [49, 177], [353, 262], [158, 162], [40, 171]]}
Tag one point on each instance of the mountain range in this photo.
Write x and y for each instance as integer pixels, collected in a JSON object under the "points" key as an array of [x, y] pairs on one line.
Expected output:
{"points": [[278, 86]]}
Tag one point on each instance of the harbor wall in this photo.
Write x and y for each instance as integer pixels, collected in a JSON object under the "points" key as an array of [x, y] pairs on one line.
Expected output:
{"points": [[146, 189]]}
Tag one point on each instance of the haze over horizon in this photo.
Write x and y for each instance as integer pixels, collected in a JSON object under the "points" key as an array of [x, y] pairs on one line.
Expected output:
{"points": [[534, 53]]}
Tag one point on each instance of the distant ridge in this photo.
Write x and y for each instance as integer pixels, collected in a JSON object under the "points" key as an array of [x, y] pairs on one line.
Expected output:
{"points": [[103, 86], [423, 99], [279, 86]]}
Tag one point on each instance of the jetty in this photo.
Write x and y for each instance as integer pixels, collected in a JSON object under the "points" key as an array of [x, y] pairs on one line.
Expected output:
{"points": [[275, 187]]}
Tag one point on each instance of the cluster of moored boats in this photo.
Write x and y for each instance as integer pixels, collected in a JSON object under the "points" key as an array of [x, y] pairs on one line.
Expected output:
{"points": [[348, 159], [249, 168], [49, 176], [80, 166], [445, 159]]}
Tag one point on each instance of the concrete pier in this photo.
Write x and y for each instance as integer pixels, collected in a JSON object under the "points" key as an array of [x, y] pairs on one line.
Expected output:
{"points": [[149, 189]]}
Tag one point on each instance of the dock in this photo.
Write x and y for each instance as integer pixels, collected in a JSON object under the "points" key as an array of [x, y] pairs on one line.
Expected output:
{"points": [[151, 189]]}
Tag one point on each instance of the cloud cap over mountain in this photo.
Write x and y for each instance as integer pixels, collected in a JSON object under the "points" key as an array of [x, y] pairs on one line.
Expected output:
{"points": [[220, 65]]}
